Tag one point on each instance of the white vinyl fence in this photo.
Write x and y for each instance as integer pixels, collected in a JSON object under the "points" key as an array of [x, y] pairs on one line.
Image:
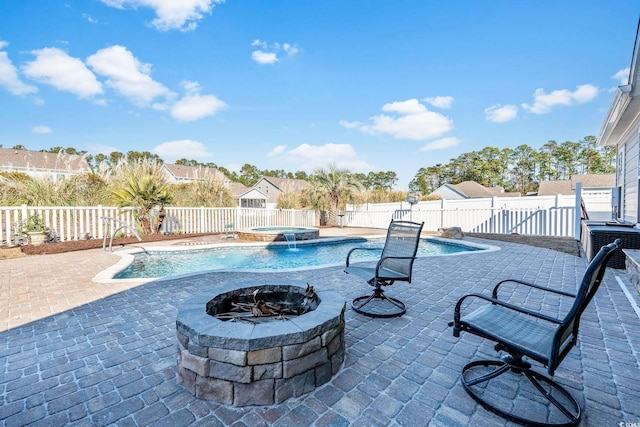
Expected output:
{"points": [[79, 222], [542, 216]]}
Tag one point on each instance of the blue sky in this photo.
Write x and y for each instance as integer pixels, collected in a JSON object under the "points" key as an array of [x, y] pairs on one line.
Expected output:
{"points": [[297, 85]]}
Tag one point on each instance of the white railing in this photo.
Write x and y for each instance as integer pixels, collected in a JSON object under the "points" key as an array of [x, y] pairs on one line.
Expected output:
{"points": [[79, 222], [542, 216]]}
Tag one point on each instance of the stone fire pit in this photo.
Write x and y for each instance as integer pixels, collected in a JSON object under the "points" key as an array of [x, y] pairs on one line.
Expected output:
{"points": [[242, 362]]}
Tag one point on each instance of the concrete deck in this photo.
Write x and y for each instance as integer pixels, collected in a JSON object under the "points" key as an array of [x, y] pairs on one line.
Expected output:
{"points": [[74, 352]]}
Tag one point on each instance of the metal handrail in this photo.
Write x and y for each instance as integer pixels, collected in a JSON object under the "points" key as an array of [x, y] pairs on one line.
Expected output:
{"points": [[107, 220]]}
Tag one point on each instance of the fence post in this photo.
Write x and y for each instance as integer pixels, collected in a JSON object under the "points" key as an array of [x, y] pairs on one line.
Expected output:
{"points": [[492, 221], [578, 211]]}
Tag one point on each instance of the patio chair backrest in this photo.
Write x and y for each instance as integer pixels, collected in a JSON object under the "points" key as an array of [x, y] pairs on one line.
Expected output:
{"points": [[403, 238], [567, 333]]}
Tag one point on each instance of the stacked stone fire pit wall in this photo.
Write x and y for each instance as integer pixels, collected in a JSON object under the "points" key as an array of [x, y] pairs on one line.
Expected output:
{"points": [[238, 363]]}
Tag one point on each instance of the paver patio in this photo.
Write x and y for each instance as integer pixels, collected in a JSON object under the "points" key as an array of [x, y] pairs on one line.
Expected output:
{"points": [[74, 352]]}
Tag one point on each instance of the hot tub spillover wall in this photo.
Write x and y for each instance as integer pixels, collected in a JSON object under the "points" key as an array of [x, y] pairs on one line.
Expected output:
{"points": [[239, 363], [279, 234]]}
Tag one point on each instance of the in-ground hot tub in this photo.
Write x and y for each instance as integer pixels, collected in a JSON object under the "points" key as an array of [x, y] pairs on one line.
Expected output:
{"points": [[281, 234], [247, 362]]}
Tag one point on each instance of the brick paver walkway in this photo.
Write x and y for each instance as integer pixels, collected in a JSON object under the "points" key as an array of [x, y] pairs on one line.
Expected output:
{"points": [[74, 352]]}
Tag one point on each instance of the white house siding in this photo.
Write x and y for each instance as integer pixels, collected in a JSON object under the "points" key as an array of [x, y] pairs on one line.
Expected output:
{"points": [[631, 175], [631, 179]]}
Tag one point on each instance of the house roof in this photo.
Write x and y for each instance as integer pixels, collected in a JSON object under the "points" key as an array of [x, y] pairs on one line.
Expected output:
{"points": [[471, 189], [195, 173], [253, 193], [237, 188], [568, 186], [40, 161], [625, 106], [287, 183]]}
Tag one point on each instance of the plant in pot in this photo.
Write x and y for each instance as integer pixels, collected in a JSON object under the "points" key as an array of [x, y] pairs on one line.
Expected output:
{"points": [[35, 229]]}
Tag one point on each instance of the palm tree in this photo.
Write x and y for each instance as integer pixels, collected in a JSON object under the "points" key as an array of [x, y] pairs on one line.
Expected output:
{"points": [[142, 185], [332, 189], [144, 193]]}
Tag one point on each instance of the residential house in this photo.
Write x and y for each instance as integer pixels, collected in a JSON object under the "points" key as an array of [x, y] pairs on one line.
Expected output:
{"points": [[38, 164], [182, 174], [590, 182], [272, 188], [621, 129], [470, 190], [253, 198]]}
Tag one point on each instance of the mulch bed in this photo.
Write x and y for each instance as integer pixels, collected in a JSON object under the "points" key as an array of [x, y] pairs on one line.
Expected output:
{"points": [[79, 245]]}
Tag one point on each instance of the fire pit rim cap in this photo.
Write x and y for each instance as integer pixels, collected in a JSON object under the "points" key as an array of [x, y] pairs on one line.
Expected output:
{"points": [[193, 321]]}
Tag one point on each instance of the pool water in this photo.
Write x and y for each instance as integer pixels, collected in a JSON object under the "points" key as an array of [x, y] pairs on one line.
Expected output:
{"points": [[270, 258]]}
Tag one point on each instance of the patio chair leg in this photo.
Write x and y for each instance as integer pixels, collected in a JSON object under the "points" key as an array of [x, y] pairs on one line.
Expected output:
{"points": [[359, 303], [569, 413]]}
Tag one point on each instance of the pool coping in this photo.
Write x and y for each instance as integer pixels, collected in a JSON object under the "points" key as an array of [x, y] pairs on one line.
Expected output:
{"points": [[127, 256]]}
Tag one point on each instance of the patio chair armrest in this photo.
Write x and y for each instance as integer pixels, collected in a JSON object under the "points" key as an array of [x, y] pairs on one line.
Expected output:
{"points": [[531, 285], [457, 324], [360, 249]]}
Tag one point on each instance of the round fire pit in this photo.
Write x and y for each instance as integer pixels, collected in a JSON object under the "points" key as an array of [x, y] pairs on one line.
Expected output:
{"points": [[243, 360]]}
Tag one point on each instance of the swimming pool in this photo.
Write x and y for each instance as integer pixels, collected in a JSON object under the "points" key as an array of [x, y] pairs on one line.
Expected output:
{"points": [[272, 257]]}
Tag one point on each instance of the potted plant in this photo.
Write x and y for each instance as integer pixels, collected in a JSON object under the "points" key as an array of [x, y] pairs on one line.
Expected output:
{"points": [[35, 229]]}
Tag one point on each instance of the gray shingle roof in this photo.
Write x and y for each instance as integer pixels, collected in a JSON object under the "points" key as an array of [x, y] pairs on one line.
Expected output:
{"points": [[288, 183], [194, 173], [37, 161], [568, 186]]}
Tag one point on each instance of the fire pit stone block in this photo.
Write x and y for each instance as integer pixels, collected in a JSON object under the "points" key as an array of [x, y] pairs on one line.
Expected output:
{"points": [[239, 363]]}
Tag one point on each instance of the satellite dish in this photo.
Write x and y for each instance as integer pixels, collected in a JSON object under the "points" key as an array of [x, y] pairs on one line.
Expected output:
{"points": [[412, 200]]}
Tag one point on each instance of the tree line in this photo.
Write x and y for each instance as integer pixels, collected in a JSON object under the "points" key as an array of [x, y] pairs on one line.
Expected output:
{"points": [[519, 169], [248, 174], [515, 169]]}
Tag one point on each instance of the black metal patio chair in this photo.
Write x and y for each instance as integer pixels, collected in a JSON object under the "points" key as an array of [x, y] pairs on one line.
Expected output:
{"points": [[395, 264], [521, 333]]}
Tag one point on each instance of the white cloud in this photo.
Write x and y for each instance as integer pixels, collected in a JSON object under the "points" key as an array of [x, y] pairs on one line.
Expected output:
{"points": [[277, 151], [622, 76], [350, 125], [171, 151], [408, 120], [440, 101], [171, 14], [264, 57], [441, 144], [89, 18], [9, 78], [544, 102], [268, 54], [194, 106], [290, 49], [41, 129], [501, 113], [309, 157], [127, 75], [57, 68]]}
